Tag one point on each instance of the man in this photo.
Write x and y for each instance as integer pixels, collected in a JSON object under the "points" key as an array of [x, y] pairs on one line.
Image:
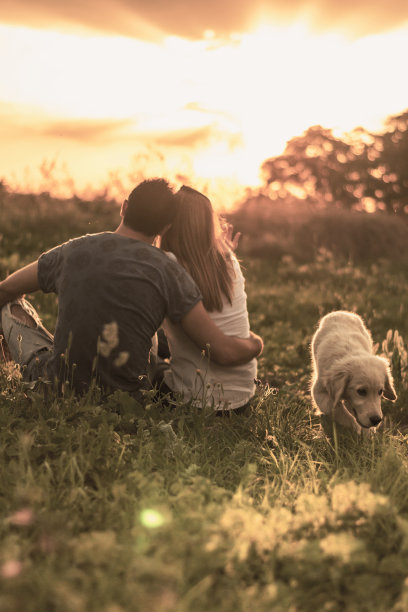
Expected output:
{"points": [[114, 290]]}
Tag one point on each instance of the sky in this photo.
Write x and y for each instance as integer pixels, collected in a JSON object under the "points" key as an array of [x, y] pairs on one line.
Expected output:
{"points": [[107, 92]]}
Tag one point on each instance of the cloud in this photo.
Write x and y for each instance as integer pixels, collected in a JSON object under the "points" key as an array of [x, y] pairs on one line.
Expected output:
{"points": [[193, 138], [107, 131], [19, 121], [87, 130], [187, 18], [214, 112], [188, 137]]}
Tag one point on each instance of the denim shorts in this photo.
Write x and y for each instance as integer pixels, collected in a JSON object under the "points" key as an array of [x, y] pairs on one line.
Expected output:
{"points": [[30, 347]]}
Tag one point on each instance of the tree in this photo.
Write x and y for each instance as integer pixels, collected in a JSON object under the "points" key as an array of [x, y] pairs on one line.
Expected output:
{"points": [[387, 162], [316, 163], [362, 170]]}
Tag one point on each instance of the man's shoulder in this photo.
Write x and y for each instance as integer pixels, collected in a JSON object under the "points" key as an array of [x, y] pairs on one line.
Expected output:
{"points": [[137, 251], [100, 237], [111, 241]]}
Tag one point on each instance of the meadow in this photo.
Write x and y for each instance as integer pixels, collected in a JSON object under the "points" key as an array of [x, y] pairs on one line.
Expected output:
{"points": [[113, 507]]}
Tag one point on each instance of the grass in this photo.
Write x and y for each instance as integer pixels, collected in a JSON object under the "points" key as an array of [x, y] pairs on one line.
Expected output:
{"points": [[275, 228], [113, 507]]}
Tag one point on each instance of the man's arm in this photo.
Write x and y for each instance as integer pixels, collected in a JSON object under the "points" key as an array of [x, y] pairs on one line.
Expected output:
{"points": [[20, 282], [222, 349]]}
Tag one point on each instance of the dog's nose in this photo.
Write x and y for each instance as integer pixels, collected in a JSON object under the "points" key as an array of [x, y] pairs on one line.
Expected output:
{"points": [[374, 420]]}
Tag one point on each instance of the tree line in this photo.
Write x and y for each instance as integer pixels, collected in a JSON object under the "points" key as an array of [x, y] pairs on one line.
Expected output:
{"points": [[360, 170]]}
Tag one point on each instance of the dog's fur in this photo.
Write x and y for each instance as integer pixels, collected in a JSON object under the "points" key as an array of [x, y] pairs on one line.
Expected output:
{"points": [[348, 379]]}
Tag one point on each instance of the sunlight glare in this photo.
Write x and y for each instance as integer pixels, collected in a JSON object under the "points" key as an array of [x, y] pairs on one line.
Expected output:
{"points": [[85, 76], [241, 99]]}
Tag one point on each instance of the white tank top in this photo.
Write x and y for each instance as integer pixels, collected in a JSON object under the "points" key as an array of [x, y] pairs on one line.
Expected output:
{"points": [[192, 374]]}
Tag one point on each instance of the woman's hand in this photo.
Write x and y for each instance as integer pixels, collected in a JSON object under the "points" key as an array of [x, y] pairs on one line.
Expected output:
{"points": [[227, 231]]}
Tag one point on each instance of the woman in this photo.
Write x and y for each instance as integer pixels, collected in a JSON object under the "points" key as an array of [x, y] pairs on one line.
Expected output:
{"points": [[196, 240]]}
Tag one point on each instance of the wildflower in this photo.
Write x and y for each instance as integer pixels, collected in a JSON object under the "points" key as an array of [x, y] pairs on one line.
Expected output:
{"points": [[167, 429], [11, 569], [352, 497], [340, 545], [26, 440], [121, 359], [110, 339], [21, 517]]}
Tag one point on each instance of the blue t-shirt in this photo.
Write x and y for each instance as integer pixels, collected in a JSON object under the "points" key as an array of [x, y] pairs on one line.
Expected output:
{"points": [[113, 294]]}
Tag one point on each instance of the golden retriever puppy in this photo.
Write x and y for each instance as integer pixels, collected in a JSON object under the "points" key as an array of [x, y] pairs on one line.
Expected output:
{"points": [[349, 380]]}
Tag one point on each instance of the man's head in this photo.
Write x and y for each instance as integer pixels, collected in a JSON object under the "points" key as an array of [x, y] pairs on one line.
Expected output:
{"points": [[150, 207]]}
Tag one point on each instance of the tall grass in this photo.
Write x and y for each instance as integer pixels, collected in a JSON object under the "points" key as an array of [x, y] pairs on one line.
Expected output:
{"points": [[275, 229], [117, 507]]}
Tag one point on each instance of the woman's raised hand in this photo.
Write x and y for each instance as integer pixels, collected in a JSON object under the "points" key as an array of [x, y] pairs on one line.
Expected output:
{"points": [[227, 234]]}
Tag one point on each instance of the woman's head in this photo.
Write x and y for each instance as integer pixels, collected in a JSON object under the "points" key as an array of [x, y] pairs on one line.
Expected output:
{"points": [[193, 227], [195, 239]]}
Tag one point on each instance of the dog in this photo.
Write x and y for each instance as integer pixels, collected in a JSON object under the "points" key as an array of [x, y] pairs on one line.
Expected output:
{"points": [[348, 379]]}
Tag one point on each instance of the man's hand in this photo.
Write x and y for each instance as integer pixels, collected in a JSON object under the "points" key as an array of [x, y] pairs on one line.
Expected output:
{"points": [[222, 349], [258, 342], [19, 283]]}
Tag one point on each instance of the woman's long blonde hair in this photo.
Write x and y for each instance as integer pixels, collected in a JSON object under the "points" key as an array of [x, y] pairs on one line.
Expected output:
{"points": [[195, 239]]}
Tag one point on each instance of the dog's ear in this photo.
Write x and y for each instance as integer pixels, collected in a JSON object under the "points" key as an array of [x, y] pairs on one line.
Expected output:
{"points": [[389, 391], [336, 385]]}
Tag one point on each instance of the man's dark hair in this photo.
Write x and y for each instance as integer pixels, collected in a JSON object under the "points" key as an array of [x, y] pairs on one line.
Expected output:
{"points": [[151, 206]]}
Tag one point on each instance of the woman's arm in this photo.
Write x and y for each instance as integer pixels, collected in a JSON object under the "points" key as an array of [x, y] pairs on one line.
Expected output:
{"points": [[223, 350]]}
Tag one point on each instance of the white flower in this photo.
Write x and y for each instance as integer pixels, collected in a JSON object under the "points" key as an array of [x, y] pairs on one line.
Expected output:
{"points": [[121, 359], [110, 339]]}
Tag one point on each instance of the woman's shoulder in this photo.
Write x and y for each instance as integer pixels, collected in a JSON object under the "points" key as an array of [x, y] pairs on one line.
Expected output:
{"points": [[170, 255], [235, 265]]}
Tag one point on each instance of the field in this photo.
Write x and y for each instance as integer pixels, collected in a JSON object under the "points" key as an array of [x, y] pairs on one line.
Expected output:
{"points": [[113, 507]]}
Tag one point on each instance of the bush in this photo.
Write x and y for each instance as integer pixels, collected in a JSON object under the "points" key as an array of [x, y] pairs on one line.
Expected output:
{"points": [[301, 231]]}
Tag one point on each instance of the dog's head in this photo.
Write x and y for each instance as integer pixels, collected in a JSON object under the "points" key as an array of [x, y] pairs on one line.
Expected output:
{"points": [[361, 382]]}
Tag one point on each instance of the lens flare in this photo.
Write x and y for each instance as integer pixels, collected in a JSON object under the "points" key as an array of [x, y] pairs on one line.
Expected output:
{"points": [[151, 518]]}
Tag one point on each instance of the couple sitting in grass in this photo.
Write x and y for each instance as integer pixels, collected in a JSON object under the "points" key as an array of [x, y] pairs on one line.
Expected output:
{"points": [[115, 290]]}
